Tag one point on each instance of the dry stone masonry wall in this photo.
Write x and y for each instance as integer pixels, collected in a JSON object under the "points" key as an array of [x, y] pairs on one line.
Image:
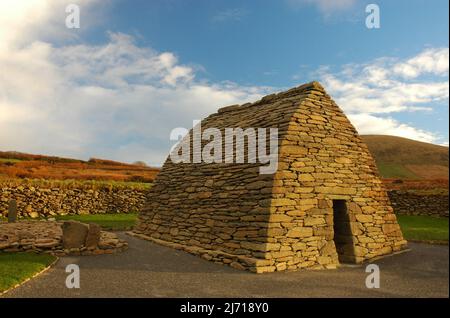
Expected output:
{"points": [[34, 200], [410, 203], [43, 201], [324, 205]]}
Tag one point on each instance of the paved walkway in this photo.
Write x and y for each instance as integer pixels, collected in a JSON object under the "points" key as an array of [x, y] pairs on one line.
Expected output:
{"points": [[150, 270]]}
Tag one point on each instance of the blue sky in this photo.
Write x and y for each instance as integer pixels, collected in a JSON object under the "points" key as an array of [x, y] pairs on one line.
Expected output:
{"points": [[135, 70], [267, 42]]}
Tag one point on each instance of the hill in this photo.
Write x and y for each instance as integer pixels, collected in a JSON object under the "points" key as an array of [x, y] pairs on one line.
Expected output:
{"points": [[21, 165], [403, 158], [396, 158]]}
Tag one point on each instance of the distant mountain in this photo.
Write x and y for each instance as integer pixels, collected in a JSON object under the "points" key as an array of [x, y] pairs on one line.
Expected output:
{"points": [[403, 158]]}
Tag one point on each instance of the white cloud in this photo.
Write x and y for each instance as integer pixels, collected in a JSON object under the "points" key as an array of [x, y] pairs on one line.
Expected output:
{"points": [[381, 87], [373, 125], [115, 100], [368, 92], [434, 61], [24, 21]]}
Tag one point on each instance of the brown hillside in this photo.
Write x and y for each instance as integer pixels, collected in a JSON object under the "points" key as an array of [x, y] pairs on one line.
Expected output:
{"points": [[21, 165], [396, 157], [404, 158]]}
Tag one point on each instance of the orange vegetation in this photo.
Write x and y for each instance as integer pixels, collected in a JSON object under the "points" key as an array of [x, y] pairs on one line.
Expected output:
{"points": [[19, 165]]}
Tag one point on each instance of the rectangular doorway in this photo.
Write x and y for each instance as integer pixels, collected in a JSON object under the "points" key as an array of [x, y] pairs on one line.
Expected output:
{"points": [[343, 237]]}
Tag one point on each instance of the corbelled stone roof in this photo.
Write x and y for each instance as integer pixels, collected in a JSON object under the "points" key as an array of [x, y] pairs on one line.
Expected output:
{"points": [[230, 213]]}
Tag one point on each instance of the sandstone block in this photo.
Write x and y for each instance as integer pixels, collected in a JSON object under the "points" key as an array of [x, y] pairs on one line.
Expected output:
{"points": [[306, 177], [280, 218], [298, 232], [299, 246], [324, 260], [293, 150], [282, 202], [364, 218], [389, 228], [310, 221]]}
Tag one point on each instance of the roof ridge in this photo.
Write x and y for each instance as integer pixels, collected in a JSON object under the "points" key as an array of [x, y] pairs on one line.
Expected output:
{"points": [[311, 86]]}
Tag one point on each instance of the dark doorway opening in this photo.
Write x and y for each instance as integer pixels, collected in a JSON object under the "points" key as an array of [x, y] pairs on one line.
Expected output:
{"points": [[343, 237]]}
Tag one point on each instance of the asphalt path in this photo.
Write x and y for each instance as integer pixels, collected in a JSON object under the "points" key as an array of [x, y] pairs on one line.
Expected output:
{"points": [[150, 270]]}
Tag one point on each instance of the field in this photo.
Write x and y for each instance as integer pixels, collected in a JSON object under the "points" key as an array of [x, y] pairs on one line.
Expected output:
{"points": [[21, 166]]}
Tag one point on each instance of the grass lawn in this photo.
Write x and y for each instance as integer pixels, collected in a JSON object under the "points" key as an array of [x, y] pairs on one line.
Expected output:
{"points": [[16, 267], [115, 222], [424, 228]]}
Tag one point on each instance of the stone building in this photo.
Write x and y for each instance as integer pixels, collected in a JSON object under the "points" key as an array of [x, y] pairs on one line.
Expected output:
{"points": [[324, 205]]}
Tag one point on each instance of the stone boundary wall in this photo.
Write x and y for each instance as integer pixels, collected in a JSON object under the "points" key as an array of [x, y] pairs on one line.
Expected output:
{"points": [[48, 200], [409, 203]]}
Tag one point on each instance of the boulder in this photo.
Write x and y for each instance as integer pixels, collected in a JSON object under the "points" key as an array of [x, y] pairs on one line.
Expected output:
{"points": [[93, 236], [74, 234]]}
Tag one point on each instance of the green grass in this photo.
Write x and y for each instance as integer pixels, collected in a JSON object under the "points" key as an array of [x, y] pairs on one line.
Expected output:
{"points": [[394, 170], [424, 228], [77, 184], [17, 267], [7, 160], [115, 222]]}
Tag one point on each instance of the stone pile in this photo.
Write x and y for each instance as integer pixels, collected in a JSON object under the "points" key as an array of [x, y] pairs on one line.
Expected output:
{"points": [[58, 238], [324, 205]]}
